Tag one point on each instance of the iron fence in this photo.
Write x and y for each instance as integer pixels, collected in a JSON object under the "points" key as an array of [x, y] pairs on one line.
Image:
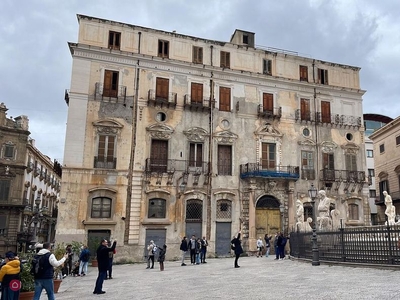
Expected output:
{"points": [[370, 244]]}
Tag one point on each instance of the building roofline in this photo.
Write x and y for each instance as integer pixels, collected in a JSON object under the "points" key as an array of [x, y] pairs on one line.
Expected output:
{"points": [[377, 117], [312, 60], [387, 127]]}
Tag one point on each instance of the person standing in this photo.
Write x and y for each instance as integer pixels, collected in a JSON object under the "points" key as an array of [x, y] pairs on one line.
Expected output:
{"points": [[44, 280], [203, 253], [103, 262], [150, 255], [260, 246], [192, 248], [9, 272], [84, 261], [198, 251], [267, 244], [184, 249], [110, 263], [276, 246], [161, 257], [237, 244], [67, 270]]}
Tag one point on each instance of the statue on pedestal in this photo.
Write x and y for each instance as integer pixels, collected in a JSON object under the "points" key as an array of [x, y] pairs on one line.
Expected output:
{"points": [[324, 220], [301, 225], [390, 211]]}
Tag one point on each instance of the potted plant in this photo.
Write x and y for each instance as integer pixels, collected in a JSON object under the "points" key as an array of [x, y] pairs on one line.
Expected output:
{"points": [[58, 252], [27, 279], [93, 244]]}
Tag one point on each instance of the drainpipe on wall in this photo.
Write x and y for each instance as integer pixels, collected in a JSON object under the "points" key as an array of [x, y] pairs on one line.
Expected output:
{"points": [[210, 157], [211, 56], [133, 148], [315, 129]]}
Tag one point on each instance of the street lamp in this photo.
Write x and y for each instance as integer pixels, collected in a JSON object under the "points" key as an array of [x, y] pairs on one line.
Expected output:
{"points": [[312, 192], [282, 210]]}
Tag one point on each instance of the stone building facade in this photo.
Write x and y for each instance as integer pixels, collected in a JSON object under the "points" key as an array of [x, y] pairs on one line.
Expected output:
{"points": [[387, 165], [29, 187], [171, 135]]}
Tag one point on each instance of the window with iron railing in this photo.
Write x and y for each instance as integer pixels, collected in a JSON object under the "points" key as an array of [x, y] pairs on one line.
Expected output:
{"points": [[194, 210]]}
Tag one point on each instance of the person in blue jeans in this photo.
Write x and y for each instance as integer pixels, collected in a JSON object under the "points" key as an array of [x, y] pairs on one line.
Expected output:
{"points": [[44, 279], [276, 246], [103, 264]]}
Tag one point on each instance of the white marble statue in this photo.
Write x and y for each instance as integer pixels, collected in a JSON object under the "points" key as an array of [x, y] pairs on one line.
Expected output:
{"points": [[324, 220], [390, 211], [299, 215], [335, 213]]}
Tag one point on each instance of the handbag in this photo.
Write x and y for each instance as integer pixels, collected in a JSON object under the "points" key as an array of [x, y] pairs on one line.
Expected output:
{"points": [[233, 246]]}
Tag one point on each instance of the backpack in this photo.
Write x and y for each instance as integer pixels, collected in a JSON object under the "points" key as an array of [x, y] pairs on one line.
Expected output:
{"points": [[154, 249], [86, 256], [38, 263]]}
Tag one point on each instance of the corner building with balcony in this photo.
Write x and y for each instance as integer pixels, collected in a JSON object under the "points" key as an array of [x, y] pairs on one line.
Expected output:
{"points": [[171, 135]]}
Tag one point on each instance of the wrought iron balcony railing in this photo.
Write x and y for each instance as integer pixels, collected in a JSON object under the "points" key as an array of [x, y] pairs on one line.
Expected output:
{"points": [[168, 100], [304, 116], [105, 163], [172, 165], [343, 176], [274, 113], [250, 170], [197, 104], [308, 174], [117, 92]]}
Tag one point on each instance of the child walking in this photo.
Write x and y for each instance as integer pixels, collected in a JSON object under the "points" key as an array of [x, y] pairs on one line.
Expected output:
{"points": [[161, 257]]}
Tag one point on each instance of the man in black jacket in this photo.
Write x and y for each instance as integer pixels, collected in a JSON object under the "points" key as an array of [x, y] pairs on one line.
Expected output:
{"points": [[184, 249], [103, 263]]}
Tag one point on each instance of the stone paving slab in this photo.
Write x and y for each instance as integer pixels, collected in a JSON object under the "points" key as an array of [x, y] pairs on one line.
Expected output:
{"points": [[257, 278]]}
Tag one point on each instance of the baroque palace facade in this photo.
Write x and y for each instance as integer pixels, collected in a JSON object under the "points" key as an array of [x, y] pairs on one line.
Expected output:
{"points": [[171, 135]]}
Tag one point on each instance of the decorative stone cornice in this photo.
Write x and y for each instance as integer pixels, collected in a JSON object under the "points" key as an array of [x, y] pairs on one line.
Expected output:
{"points": [[350, 148], [328, 147], [225, 137], [160, 131], [196, 134], [107, 126], [268, 130]]}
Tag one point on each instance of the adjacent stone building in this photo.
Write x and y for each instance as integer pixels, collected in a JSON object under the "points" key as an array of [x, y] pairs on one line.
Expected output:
{"points": [[171, 135], [387, 165], [29, 187]]}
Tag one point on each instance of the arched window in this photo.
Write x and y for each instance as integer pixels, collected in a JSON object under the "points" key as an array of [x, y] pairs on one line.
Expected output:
{"points": [[353, 212], [224, 209], [101, 207], [194, 210], [157, 209], [267, 202]]}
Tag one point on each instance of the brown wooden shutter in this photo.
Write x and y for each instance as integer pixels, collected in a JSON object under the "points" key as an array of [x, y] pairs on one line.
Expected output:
{"points": [[225, 59], [197, 92], [159, 155], [199, 155], [197, 55], [305, 109], [110, 148], [326, 111], [268, 102], [328, 161], [303, 73], [162, 87], [224, 160], [110, 88], [101, 151], [224, 99]]}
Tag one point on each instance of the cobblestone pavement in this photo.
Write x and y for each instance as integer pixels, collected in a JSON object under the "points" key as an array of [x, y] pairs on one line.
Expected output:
{"points": [[257, 278]]}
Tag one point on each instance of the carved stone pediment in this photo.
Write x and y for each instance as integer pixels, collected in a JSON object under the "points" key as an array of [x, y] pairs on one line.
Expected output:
{"points": [[306, 142], [107, 126], [225, 137], [350, 148], [328, 147], [268, 130], [196, 134], [160, 131]]}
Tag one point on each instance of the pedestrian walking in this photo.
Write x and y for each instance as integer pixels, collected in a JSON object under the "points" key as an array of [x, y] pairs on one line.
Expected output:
{"points": [[260, 246], [184, 249], [103, 262], [44, 279], [161, 257], [276, 246], [84, 261], [237, 248]]}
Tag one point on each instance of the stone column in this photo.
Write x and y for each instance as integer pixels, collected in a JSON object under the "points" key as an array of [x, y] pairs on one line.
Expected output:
{"points": [[252, 219], [291, 208]]}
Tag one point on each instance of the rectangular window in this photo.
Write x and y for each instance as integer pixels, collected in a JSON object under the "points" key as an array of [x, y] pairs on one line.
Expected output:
{"points": [[106, 152], [224, 160], [196, 93], [371, 172], [110, 87], [197, 55], [353, 212], [351, 162], [268, 156], [304, 73], [370, 153], [267, 66], [225, 60], [159, 156], [307, 165], [381, 148], [101, 207], [372, 193], [268, 103], [224, 99], [305, 109], [114, 39], [383, 186], [163, 48], [195, 155], [4, 190], [157, 209], [322, 76], [9, 151], [245, 39], [325, 112], [162, 88], [397, 140]]}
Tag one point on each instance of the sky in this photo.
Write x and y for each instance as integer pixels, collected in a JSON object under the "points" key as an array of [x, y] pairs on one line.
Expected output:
{"points": [[35, 61]]}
